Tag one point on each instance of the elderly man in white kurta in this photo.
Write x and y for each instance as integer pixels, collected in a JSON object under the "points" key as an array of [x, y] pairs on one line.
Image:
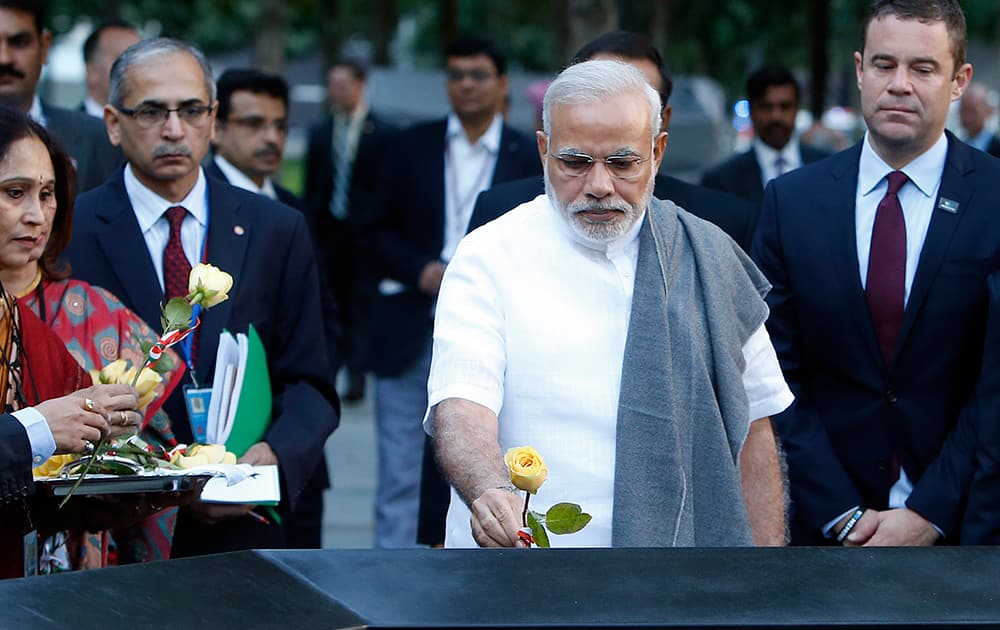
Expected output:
{"points": [[618, 335]]}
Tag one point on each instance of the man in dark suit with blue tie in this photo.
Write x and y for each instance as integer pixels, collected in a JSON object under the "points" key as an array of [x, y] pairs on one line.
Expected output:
{"points": [[879, 257], [428, 185], [735, 216], [139, 233], [774, 95]]}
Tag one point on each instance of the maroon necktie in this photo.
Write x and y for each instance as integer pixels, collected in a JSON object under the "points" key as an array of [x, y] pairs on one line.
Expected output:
{"points": [[176, 267], [887, 268]]}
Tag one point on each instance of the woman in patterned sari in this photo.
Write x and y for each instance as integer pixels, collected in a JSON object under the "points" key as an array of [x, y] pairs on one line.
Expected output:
{"points": [[97, 329]]}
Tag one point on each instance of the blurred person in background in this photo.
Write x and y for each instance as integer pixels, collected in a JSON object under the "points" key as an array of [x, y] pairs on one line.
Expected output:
{"points": [[341, 162], [24, 49], [774, 96], [100, 50], [976, 111], [251, 127], [428, 180]]}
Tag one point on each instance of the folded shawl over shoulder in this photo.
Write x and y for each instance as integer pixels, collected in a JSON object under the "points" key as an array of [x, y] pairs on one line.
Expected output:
{"points": [[683, 413]]}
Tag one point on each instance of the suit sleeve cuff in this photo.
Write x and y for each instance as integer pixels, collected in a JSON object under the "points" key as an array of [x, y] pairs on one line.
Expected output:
{"points": [[43, 444]]}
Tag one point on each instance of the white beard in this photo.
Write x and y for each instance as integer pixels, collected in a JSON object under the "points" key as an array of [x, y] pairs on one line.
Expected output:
{"points": [[605, 231]]}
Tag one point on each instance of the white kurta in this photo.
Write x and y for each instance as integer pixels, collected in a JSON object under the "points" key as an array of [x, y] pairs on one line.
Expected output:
{"points": [[531, 323]]}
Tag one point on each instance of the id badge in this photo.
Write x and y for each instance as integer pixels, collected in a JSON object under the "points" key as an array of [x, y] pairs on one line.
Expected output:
{"points": [[196, 400], [31, 553]]}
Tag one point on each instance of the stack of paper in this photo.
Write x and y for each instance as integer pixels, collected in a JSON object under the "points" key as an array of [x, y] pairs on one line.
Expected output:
{"points": [[240, 408], [261, 487]]}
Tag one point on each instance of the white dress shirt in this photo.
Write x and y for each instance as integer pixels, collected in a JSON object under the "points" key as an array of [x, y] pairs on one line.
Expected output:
{"points": [[982, 139], [43, 443], [531, 323], [917, 197], [237, 178], [93, 108], [767, 158], [468, 171], [36, 112], [149, 208]]}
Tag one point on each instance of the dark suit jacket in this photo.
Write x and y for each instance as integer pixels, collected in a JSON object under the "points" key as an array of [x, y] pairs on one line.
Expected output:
{"points": [[740, 174], [15, 460], [275, 288], [320, 167], [407, 232], [345, 264], [285, 196], [981, 525], [852, 412], [86, 140], [734, 215]]}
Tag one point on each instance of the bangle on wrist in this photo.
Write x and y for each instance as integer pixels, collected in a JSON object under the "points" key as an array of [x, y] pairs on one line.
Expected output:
{"points": [[849, 525], [509, 488]]}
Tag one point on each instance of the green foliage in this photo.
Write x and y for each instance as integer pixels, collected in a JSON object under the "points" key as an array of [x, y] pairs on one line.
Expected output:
{"points": [[566, 518], [176, 314], [722, 38], [537, 529]]}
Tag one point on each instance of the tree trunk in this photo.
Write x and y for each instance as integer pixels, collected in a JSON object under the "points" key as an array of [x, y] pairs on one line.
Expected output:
{"points": [[329, 19], [819, 62], [587, 19], [384, 22], [449, 23], [269, 52]]}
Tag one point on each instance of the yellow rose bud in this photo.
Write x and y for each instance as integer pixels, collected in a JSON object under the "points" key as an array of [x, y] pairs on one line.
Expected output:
{"points": [[214, 453], [229, 458], [209, 285], [192, 461], [527, 470], [145, 386], [113, 372], [52, 466]]}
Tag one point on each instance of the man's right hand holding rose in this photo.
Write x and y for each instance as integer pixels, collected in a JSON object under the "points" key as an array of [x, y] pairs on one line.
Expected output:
{"points": [[468, 450], [496, 518]]}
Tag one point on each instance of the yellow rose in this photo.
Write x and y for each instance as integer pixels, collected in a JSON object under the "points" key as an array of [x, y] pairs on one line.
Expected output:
{"points": [[527, 470], [192, 461], [145, 386], [112, 373], [52, 466], [208, 285]]}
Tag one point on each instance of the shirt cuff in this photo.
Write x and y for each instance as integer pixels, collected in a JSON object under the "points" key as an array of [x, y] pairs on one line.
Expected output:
{"points": [[43, 444], [828, 528]]}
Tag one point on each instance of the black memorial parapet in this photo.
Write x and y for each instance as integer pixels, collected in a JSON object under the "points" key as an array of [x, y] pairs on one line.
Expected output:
{"points": [[669, 588]]}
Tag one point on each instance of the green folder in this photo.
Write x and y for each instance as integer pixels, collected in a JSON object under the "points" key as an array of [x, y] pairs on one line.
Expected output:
{"points": [[253, 410]]}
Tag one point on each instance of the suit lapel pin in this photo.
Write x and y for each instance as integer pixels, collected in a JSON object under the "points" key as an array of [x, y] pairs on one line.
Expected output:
{"points": [[238, 230], [948, 205]]}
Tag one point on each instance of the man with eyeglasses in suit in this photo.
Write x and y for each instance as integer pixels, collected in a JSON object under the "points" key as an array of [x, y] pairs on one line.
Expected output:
{"points": [[251, 127], [140, 233]]}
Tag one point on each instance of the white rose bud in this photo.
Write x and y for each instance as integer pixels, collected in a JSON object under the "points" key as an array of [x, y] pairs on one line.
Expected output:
{"points": [[208, 285]]}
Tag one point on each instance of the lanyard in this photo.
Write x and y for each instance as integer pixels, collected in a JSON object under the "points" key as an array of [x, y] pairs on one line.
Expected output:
{"points": [[186, 344]]}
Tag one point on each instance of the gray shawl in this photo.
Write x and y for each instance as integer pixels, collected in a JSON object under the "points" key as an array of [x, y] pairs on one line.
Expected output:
{"points": [[683, 411]]}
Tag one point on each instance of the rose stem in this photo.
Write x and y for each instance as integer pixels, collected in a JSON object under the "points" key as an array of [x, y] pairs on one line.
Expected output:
{"points": [[524, 514]]}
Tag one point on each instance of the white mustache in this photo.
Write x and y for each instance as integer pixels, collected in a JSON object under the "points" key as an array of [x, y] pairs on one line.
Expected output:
{"points": [[591, 206], [172, 149]]}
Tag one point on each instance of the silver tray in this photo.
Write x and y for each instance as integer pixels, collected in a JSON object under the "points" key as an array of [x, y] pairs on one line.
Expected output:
{"points": [[122, 484]]}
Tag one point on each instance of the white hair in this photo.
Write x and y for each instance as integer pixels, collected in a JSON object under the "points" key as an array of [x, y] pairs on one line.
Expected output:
{"points": [[147, 49], [596, 81]]}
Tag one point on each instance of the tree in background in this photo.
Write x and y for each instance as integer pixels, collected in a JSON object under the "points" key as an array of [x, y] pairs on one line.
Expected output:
{"points": [[725, 39]]}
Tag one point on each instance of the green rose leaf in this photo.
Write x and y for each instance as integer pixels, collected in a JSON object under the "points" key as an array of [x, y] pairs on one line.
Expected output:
{"points": [[176, 315], [538, 531], [566, 518]]}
